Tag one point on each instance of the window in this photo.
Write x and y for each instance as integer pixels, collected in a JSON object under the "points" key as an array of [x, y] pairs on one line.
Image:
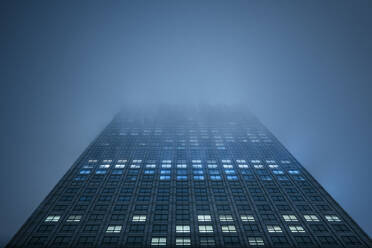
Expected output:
{"points": [[139, 218], [290, 218], [207, 241], [332, 218], [113, 229], [296, 229], [231, 241], [119, 166], [52, 218], [232, 178], [183, 166], [104, 166], [205, 229], [182, 229], [293, 172], [158, 241], [274, 229], [311, 218], [228, 229], [164, 177], [255, 241], [183, 241], [204, 218], [249, 218], [160, 228], [135, 241], [350, 240], [181, 177], [226, 218], [151, 166], [74, 218], [215, 178]]}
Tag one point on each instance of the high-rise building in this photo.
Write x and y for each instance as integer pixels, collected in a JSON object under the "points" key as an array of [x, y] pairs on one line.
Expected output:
{"points": [[172, 177]]}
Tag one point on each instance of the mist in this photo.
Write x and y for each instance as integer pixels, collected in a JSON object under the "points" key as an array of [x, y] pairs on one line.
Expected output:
{"points": [[303, 68]]}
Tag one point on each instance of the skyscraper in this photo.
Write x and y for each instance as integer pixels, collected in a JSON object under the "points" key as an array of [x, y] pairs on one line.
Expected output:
{"points": [[185, 177]]}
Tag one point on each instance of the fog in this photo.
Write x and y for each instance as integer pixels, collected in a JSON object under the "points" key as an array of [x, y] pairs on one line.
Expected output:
{"points": [[67, 67]]}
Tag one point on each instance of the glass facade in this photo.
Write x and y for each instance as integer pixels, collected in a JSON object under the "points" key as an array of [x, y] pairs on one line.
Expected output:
{"points": [[211, 177]]}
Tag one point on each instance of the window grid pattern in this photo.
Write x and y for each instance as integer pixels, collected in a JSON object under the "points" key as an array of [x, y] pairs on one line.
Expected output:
{"points": [[188, 182]]}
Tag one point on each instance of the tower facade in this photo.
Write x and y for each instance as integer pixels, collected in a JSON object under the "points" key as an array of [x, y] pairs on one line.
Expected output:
{"points": [[179, 177]]}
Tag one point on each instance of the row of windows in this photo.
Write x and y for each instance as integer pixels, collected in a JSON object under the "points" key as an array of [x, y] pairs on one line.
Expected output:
{"points": [[206, 218], [203, 240]]}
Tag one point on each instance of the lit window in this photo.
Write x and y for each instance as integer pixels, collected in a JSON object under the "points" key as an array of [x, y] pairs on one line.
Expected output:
{"points": [[249, 218], [258, 166], [158, 241], [113, 229], [164, 177], [166, 166], [226, 218], [255, 161], [230, 171], [122, 161], [92, 161], [255, 241], [243, 166], [212, 166], [137, 161], [150, 165], [52, 218], [226, 161], [228, 229], [293, 172], [205, 229], [180, 166], [196, 161], [183, 241], [311, 218], [278, 172], [273, 166], [74, 218], [139, 218], [204, 218], [85, 172], [165, 172], [232, 178], [101, 172], [290, 218], [198, 177], [197, 166], [215, 177], [107, 161], [104, 166], [227, 166], [270, 161], [182, 229], [332, 218], [296, 229], [119, 166], [274, 229], [240, 161], [135, 166]]}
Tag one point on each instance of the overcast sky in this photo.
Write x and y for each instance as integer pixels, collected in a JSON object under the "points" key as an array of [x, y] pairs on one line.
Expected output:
{"points": [[303, 67]]}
